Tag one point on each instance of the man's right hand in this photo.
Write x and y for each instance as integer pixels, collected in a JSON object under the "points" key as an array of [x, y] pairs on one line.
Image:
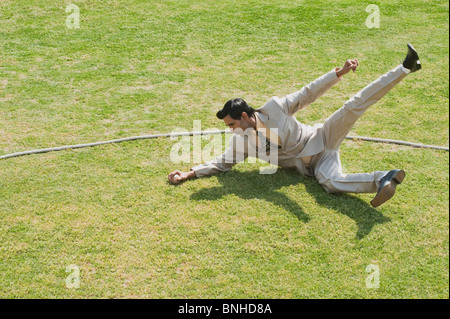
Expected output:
{"points": [[178, 176]]}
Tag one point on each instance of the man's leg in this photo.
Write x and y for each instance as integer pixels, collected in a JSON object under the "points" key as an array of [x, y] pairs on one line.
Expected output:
{"points": [[337, 126], [328, 172]]}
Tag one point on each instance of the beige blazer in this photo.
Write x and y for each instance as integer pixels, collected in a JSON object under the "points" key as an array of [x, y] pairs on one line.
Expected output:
{"points": [[298, 140]]}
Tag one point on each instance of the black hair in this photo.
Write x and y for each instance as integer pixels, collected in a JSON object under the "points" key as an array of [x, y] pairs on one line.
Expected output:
{"points": [[234, 108]]}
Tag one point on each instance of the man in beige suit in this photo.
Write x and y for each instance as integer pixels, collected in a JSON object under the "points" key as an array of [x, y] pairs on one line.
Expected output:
{"points": [[312, 150]]}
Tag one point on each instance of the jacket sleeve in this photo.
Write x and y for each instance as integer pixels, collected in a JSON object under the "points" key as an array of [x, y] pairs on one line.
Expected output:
{"points": [[235, 153], [293, 102]]}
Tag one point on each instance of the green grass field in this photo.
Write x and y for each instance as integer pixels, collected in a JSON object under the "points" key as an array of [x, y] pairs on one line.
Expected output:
{"points": [[147, 67]]}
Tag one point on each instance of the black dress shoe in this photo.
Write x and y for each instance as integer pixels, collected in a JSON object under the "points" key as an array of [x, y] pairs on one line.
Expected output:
{"points": [[411, 61], [387, 186]]}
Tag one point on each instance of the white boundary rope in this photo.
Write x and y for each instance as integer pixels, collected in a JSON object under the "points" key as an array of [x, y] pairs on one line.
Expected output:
{"points": [[133, 138], [388, 141]]}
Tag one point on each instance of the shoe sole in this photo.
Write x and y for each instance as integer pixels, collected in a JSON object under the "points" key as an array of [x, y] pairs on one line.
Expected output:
{"points": [[418, 65], [410, 46], [388, 191]]}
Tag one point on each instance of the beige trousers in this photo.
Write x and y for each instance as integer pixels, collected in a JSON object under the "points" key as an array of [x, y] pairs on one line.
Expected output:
{"points": [[327, 164]]}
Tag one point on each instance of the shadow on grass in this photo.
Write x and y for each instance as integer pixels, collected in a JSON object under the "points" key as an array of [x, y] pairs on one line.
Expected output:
{"points": [[252, 185]]}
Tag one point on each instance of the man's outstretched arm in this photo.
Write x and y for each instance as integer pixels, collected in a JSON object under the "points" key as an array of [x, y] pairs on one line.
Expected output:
{"points": [[235, 153], [309, 93]]}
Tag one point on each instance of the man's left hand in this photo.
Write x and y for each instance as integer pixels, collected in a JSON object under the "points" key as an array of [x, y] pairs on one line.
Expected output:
{"points": [[348, 65]]}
